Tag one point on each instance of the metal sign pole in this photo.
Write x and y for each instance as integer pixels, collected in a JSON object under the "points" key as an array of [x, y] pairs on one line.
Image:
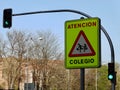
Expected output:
{"points": [[82, 75], [82, 79], [86, 15]]}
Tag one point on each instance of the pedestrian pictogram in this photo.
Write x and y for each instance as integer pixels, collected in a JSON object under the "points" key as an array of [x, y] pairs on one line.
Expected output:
{"points": [[81, 46]]}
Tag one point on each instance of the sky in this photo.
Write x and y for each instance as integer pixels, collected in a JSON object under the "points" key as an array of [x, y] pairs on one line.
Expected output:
{"points": [[106, 10]]}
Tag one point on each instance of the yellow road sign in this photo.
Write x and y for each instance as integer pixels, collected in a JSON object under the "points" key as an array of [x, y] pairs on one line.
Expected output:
{"points": [[83, 43]]}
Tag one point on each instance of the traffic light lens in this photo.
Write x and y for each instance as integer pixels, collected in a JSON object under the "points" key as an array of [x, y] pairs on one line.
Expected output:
{"points": [[110, 76], [6, 22]]}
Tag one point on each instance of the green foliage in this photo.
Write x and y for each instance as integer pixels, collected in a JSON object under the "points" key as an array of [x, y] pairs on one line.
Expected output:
{"points": [[103, 82]]}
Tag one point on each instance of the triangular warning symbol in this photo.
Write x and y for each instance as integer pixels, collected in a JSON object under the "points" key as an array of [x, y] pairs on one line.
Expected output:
{"points": [[81, 46]]}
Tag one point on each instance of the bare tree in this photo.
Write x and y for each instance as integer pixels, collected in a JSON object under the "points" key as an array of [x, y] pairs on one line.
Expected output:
{"points": [[16, 51], [39, 50], [17, 43], [2, 48], [45, 47], [57, 76]]}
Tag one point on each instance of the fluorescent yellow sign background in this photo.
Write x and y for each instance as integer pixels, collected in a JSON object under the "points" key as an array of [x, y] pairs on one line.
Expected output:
{"points": [[91, 28]]}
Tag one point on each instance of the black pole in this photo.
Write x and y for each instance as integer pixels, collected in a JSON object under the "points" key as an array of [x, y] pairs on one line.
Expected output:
{"points": [[112, 55], [82, 75], [77, 12], [82, 79], [86, 15], [53, 11]]}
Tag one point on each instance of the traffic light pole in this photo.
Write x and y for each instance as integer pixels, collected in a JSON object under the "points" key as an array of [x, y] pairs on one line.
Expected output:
{"points": [[85, 15], [112, 55]]}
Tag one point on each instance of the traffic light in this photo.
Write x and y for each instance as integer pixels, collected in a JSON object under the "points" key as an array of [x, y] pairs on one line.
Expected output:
{"points": [[111, 71], [7, 18]]}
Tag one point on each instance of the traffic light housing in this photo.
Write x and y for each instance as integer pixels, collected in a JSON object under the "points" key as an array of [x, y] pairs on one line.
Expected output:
{"points": [[7, 18], [111, 71]]}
